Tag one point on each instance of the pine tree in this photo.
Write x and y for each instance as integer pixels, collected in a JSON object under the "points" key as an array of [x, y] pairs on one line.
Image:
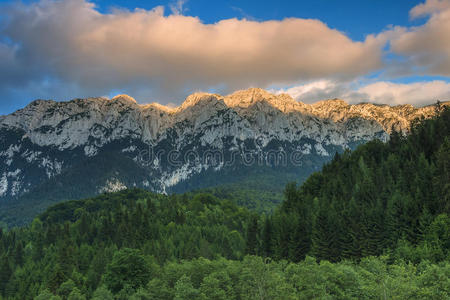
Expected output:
{"points": [[5, 273], [267, 238], [326, 235], [282, 224], [374, 233], [425, 219], [351, 241], [57, 277], [441, 181], [290, 195], [252, 236], [18, 254], [395, 139]]}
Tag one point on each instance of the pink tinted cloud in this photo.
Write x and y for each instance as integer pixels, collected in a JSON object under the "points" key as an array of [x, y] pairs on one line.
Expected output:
{"points": [[426, 47], [75, 42]]}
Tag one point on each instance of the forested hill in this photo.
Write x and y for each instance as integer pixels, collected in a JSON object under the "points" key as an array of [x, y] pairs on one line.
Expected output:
{"points": [[73, 244], [380, 215], [372, 199]]}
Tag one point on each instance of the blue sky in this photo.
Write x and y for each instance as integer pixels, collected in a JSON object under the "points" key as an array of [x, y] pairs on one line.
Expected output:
{"points": [[379, 51], [357, 18]]}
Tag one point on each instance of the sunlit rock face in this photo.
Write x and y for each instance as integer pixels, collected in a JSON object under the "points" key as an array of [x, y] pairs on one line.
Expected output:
{"points": [[170, 146]]}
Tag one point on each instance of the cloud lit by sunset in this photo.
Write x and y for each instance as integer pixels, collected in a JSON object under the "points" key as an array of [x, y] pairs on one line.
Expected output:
{"points": [[62, 49]]}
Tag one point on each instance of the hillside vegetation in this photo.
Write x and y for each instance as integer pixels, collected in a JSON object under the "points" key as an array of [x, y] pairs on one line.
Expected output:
{"points": [[378, 197], [373, 224]]}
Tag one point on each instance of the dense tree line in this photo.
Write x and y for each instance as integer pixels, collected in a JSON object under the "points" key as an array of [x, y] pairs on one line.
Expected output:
{"points": [[372, 201], [374, 223], [256, 278], [79, 240]]}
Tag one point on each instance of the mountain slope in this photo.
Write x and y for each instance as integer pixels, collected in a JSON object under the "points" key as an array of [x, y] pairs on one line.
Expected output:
{"points": [[207, 141], [380, 196]]}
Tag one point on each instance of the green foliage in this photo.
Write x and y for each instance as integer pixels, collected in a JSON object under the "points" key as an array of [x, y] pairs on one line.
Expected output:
{"points": [[71, 184], [184, 290], [256, 278], [76, 295], [66, 288], [373, 224], [366, 202], [141, 294], [119, 240], [128, 267], [261, 192], [102, 293], [46, 295]]}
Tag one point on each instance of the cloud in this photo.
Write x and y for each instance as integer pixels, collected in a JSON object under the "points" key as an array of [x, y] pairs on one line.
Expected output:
{"points": [[383, 92], [73, 42], [427, 47], [429, 7], [177, 7], [317, 90], [51, 49], [418, 93], [243, 13]]}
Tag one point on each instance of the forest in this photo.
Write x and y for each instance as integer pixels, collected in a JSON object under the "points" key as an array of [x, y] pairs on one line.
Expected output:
{"points": [[373, 224]]}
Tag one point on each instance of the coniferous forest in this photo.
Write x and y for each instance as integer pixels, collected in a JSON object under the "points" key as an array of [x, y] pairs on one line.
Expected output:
{"points": [[373, 224]]}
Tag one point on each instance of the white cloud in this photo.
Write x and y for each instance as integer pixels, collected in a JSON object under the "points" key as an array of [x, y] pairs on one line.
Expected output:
{"points": [[177, 7], [417, 93], [72, 41], [426, 47], [317, 90], [154, 57], [429, 7]]}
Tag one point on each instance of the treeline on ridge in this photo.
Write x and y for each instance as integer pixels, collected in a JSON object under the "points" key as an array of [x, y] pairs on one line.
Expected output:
{"points": [[377, 198]]}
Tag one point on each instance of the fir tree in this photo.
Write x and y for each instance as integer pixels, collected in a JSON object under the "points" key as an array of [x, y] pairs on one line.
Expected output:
{"points": [[252, 236]]}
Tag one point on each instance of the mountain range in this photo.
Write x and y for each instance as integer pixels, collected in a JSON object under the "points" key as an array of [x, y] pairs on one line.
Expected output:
{"points": [[52, 151]]}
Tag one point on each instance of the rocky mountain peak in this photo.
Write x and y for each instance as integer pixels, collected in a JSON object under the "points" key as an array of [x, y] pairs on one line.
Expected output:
{"points": [[257, 106], [325, 104], [195, 98], [124, 98], [49, 137], [244, 99], [159, 107]]}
